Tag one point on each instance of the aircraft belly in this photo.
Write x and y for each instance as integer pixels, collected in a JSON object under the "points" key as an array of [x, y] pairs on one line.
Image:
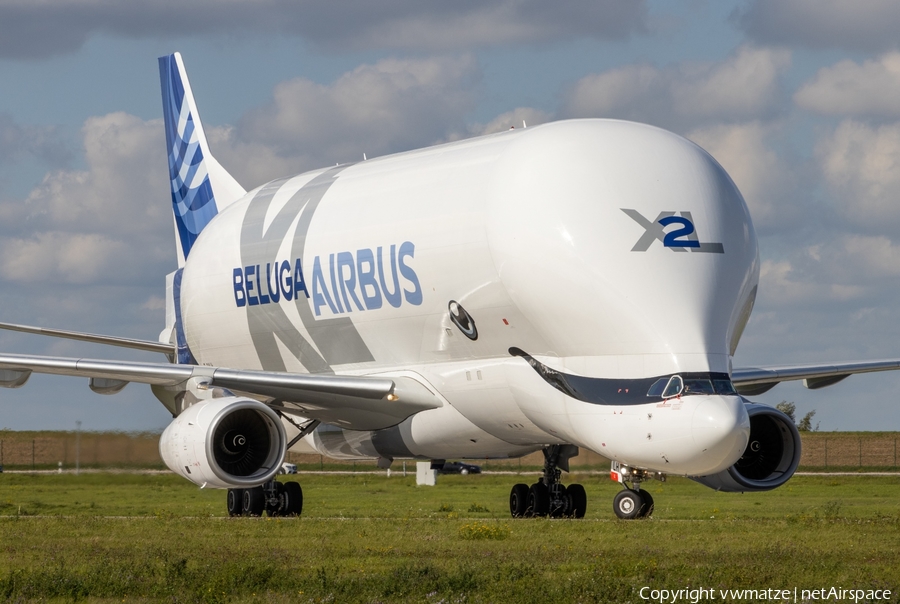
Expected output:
{"points": [[436, 434], [478, 390]]}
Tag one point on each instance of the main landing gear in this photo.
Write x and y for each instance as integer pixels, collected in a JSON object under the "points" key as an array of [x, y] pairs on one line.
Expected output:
{"points": [[633, 503], [548, 496], [274, 498]]}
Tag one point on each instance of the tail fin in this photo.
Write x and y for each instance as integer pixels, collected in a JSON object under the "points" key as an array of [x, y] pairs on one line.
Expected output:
{"points": [[201, 187]]}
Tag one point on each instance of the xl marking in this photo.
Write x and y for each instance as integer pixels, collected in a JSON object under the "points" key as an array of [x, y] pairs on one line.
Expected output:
{"points": [[679, 240]]}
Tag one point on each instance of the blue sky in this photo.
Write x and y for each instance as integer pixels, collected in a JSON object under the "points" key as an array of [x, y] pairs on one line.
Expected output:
{"points": [[798, 99]]}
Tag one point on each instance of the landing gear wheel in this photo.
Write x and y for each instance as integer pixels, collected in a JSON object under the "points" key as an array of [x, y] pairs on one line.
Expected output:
{"points": [[254, 502], [293, 499], [648, 505], [275, 507], [559, 501], [518, 500], [235, 502], [538, 500], [577, 500], [628, 504]]}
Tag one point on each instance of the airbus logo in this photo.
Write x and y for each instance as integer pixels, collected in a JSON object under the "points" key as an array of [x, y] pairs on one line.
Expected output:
{"points": [[680, 239], [358, 277]]}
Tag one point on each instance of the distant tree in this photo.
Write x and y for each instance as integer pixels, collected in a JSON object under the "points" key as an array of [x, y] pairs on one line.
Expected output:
{"points": [[788, 409], [805, 424]]}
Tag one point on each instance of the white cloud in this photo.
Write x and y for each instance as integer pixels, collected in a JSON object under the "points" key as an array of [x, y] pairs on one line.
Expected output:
{"points": [[105, 224], [870, 258], [44, 142], [861, 166], [850, 88], [785, 285], [123, 187], [255, 163], [860, 25], [744, 86], [390, 106], [60, 257], [764, 178], [844, 273]]}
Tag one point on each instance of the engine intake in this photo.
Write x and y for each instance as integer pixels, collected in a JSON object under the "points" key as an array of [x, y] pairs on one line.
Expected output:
{"points": [[770, 459], [224, 443]]}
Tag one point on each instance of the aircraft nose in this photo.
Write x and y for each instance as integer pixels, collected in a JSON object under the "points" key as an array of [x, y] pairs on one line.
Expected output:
{"points": [[721, 429]]}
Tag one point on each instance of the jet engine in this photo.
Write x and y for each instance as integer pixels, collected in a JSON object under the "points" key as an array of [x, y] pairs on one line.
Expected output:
{"points": [[224, 443], [771, 456]]}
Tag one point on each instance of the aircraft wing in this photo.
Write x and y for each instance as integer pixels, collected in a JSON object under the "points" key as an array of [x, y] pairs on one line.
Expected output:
{"points": [[147, 345], [354, 402], [752, 381]]}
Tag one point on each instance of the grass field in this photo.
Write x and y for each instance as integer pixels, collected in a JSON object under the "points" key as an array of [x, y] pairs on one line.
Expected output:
{"points": [[369, 538]]}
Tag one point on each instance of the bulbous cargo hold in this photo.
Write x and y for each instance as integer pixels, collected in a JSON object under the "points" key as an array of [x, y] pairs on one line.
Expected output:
{"points": [[582, 229], [224, 443], [555, 229], [771, 456]]}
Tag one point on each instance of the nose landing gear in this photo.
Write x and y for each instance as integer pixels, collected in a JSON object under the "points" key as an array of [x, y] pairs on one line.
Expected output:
{"points": [[633, 503], [548, 496]]}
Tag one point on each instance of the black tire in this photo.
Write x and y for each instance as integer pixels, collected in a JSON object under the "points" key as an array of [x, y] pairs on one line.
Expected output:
{"points": [[293, 499], [254, 502], [518, 500], [235, 502], [628, 504], [577, 500], [538, 500], [648, 505]]}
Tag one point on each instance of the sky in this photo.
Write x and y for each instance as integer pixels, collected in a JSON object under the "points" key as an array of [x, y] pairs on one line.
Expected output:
{"points": [[799, 100]]}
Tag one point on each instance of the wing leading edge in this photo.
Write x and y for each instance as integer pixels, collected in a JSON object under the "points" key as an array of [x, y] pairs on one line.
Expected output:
{"points": [[136, 344], [753, 381], [355, 402]]}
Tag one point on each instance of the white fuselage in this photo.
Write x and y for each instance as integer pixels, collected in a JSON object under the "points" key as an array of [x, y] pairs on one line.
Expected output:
{"points": [[550, 239]]}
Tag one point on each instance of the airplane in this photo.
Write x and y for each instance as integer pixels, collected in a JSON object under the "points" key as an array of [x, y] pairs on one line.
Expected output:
{"points": [[579, 284]]}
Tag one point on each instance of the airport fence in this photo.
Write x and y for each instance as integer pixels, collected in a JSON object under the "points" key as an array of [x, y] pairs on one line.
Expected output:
{"points": [[47, 450], [822, 451]]}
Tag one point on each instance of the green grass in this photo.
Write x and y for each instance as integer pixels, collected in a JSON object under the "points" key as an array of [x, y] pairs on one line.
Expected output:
{"points": [[368, 538]]}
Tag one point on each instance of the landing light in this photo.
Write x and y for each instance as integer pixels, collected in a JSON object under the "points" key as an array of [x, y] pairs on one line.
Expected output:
{"points": [[393, 397]]}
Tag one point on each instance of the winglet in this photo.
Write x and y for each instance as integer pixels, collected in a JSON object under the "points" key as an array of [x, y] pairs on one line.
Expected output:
{"points": [[201, 187]]}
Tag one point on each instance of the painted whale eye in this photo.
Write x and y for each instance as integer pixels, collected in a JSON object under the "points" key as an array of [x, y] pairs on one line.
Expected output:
{"points": [[463, 320]]}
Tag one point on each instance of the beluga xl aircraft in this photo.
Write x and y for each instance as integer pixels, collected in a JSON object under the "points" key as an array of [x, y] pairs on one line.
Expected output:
{"points": [[579, 284]]}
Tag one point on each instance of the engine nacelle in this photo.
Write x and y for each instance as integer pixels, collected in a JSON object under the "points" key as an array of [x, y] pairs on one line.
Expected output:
{"points": [[224, 443], [771, 456]]}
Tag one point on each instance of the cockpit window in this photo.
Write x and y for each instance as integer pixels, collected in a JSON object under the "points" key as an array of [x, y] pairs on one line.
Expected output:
{"points": [[674, 387], [630, 391], [692, 384], [658, 386], [698, 386], [724, 387]]}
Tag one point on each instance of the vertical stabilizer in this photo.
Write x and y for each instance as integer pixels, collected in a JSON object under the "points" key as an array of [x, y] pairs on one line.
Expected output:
{"points": [[201, 187]]}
